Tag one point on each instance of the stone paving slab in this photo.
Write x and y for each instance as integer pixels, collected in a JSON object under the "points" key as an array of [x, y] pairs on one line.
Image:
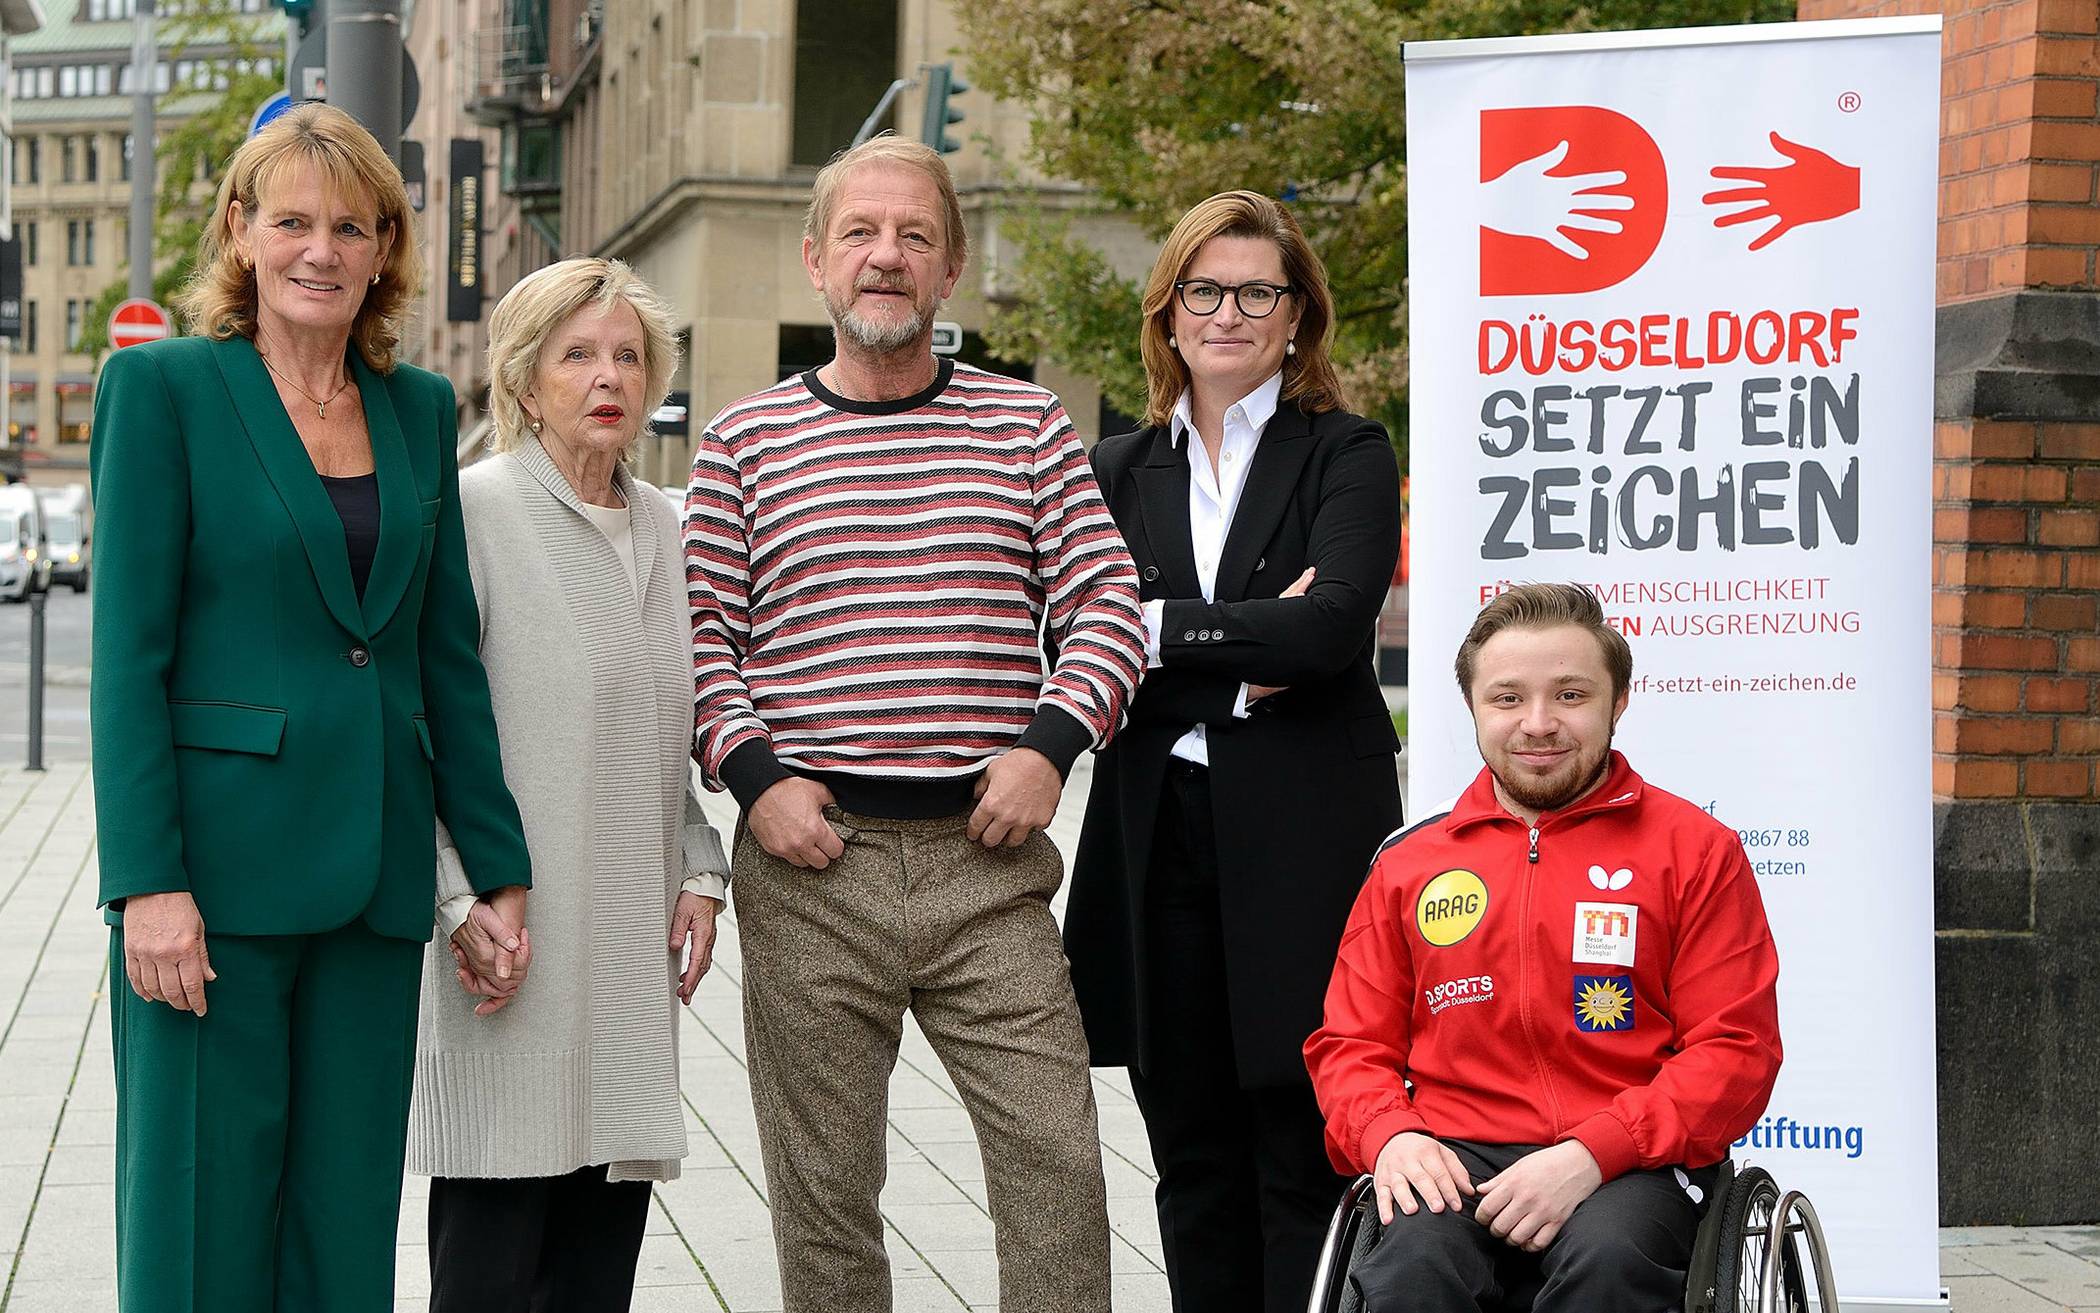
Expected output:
{"points": [[709, 1245]]}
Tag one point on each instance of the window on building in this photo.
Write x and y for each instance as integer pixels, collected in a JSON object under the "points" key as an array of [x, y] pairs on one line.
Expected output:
{"points": [[46, 81], [68, 160], [27, 232], [845, 56], [105, 79], [76, 314], [69, 80], [80, 242], [91, 157], [25, 345], [124, 165]]}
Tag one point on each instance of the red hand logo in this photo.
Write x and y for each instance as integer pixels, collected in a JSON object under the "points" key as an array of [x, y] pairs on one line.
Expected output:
{"points": [[1813, 188]]}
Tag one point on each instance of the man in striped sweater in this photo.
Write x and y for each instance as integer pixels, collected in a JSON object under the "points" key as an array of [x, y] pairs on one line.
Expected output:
{"points": [[878, 554]]}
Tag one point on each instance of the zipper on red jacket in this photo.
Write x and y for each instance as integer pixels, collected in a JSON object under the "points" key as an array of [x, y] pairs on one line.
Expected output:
{"points": [[1525, 992]]}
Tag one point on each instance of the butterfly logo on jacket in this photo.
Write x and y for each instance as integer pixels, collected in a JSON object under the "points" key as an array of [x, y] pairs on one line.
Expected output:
{"points": [[1618, 879]]}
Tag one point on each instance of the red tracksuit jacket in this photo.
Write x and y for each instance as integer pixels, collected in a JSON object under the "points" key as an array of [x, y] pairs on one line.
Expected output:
{"points": [[1605, 976]]}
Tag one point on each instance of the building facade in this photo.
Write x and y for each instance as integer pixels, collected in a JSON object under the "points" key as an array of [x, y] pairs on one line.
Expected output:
{"points": [[18, 18], [69, 160], [682, 137]]}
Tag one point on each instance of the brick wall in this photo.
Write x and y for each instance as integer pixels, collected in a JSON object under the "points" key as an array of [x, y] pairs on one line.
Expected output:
{"points": [[2016, 498], [2016, 604]]}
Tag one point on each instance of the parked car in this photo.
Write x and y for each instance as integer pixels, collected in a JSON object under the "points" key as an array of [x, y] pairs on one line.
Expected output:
{"points": [[66, 534], [25, 561]]}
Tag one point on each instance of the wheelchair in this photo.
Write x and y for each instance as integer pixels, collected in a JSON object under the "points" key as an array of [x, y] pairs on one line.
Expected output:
{"points": [[1746, 1257]]}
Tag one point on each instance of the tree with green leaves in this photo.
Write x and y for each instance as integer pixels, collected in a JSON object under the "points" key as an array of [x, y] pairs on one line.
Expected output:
{"points": [[1155, 105], [209, 125]]}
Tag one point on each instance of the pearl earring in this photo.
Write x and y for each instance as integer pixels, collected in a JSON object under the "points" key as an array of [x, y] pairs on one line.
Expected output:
{"points": [[1172, 345], [375, 280], [1290, 348], [535, 426]]}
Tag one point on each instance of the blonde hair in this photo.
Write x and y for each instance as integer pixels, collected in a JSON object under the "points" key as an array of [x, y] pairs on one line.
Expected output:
{"points": [[219, 300], [1309, 379], [888, 149], [539, 304], [1545, 606]]}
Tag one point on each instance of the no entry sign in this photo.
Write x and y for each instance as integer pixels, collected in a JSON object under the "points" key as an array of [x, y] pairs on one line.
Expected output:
{"points": [[136, 321]]}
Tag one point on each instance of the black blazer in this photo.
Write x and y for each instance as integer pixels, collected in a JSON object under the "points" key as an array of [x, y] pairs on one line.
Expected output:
{"points": [[1306, 787]]}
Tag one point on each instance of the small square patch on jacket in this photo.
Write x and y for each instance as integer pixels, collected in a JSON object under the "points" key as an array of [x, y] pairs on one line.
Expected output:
{"points": [[1603, 1003]]}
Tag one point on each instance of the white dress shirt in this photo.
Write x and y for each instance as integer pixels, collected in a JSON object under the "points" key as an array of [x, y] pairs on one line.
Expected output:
{"points": [[1214, 496]]}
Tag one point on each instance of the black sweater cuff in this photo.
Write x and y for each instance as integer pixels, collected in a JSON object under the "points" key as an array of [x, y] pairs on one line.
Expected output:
{"points": [[749, 770], [1058, 735]]}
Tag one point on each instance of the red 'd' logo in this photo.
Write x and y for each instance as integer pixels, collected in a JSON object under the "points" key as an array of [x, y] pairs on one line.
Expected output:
{"points": [[1574, 198]]}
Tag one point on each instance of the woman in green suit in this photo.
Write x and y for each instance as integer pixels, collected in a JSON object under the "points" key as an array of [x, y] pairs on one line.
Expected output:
{"points": [[286, 698]]}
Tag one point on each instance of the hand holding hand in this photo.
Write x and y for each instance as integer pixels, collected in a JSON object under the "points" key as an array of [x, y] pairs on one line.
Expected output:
{"points": [[1016, 796], [164, 952], [1298, 588], [788, 822], [493, 997], [492, 939], [693, 932], [1414, 1164], [1529, 1201]]}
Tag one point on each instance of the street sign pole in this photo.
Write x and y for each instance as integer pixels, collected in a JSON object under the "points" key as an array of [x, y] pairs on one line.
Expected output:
{"points": [[145, 54], [36, 672], [364, 66]]}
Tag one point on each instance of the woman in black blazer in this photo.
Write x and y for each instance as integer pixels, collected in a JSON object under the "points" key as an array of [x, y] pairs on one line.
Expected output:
{"points": [[1232, 820]]}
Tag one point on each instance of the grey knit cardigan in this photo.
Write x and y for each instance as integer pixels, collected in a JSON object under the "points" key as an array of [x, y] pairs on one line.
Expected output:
{"points": [[594, 708]]}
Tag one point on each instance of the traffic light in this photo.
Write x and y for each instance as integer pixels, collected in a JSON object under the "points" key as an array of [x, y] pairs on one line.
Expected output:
{"points": [[941, 85], [301, 14]]}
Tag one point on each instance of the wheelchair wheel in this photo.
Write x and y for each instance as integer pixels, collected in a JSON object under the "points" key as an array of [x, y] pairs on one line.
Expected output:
{"points": [[1745, 1248]]}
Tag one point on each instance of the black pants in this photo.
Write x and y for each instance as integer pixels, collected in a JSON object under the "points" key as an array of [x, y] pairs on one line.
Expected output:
{"points": [[1245, 1189], [1623, 1250], [549, 1244]]}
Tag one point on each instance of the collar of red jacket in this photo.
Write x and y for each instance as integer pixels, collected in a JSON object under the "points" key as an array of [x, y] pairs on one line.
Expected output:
{"points": [[1621, 788]]}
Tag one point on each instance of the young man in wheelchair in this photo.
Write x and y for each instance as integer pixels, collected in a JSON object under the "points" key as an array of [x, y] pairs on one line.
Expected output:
{"points": [[1553, 1007]]}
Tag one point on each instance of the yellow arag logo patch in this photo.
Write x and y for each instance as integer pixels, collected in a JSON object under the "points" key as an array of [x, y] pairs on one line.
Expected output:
{"points": [[1450, 906]]}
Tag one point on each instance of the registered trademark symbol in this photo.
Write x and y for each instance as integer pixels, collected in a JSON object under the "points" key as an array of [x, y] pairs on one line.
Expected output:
{"points": [[1849, 102]]}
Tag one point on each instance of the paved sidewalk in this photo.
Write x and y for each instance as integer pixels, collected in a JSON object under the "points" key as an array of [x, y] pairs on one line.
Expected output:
{"points": [[709, 1245]]}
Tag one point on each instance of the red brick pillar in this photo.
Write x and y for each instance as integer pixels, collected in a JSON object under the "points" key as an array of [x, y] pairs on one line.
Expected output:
{"points": [[2016, 602]]}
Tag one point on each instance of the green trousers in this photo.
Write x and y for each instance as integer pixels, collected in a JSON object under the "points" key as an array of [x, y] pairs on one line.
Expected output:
{"points": [[259, 1146]]}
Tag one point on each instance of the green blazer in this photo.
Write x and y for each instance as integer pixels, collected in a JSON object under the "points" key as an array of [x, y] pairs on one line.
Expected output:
{"points": [[261, 737]]}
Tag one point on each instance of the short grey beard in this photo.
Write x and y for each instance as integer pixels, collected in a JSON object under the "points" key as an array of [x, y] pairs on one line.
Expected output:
{"points": [[879, 339]]}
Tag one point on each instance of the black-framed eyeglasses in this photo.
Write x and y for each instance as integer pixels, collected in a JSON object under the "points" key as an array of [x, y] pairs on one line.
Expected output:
{"points": [[1201, 296]]}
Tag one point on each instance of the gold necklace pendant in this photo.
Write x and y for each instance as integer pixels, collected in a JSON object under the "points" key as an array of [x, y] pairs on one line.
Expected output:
{"points": [[319, 404]]}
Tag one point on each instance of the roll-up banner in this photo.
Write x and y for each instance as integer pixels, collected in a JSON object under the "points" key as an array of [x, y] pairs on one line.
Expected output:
{"points": [[1671, 314]]}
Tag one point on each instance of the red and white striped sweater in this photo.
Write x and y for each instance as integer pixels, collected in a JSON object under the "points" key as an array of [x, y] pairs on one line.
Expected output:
{"points": [[868, 584]]}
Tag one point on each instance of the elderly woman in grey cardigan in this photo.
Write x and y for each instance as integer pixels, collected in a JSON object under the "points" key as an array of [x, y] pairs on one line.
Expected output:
{"points": [[544, 1110]]}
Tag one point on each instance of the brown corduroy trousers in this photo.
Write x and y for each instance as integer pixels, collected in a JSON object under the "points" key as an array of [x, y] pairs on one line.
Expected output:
{"points": [[917, 916]]}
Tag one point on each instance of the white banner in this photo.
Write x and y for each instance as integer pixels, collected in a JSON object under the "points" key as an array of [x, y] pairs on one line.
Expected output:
{"points": [[1672, 334]]}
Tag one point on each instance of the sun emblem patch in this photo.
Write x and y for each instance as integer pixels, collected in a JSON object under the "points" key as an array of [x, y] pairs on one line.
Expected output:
{"points": [[1603, 1003]]}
